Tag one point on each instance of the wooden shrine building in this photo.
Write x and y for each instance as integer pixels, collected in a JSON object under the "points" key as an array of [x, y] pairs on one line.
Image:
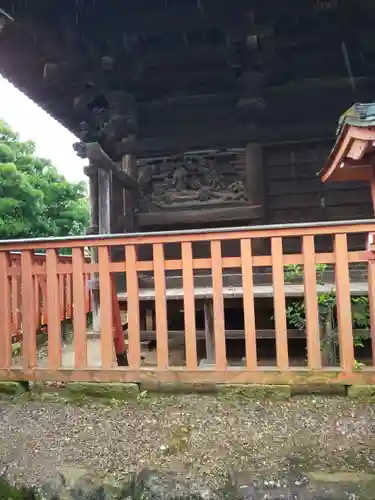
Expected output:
{"points": [[206, 125], [222, 112]]}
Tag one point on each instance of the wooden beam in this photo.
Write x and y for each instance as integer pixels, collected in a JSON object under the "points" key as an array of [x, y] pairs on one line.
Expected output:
{"points": [[98, 157], [165, 218]]}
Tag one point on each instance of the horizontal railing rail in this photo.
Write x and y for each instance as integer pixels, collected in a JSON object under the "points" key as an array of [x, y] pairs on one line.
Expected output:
{"points": [[325, 227], [128, 257]]}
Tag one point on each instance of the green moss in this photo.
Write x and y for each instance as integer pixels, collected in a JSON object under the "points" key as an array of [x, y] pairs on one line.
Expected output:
{"points": [[247, 391], [362, 393], [79, 390], [178, 388], [9, 492], [12, 388], [320, 389], [179, 439]]}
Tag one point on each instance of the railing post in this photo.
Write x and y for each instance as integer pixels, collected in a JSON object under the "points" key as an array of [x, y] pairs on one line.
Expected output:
{"points": [[248, 305], [28, 311], [189, 305], [5, 314], [160, 307], [106, 312], [218, 305], [132, 288], [79, 309], [279, 303], [311, 304], [54, 298], [344, 312]]}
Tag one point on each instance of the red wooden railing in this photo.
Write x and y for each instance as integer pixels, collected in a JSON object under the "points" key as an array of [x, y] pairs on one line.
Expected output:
{"points": [[40, 293], [23, 281]]}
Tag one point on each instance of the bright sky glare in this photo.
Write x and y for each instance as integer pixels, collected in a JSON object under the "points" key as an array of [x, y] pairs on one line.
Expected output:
{"points": [[52, 140]]}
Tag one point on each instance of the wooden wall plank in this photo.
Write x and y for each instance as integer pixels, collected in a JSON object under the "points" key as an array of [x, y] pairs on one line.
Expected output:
{"points": [[311, 304], [79, 310], [54, 290], [248, 305], [295, 193], [28, 311], [5, 314], [189, 306], [218, 305], [279, 303], [160, 307], [106, 323], [344, 312], [134, 336]]}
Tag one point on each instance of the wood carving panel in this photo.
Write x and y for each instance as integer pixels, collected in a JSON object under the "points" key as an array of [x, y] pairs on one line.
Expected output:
{"points": [[192, 181]]}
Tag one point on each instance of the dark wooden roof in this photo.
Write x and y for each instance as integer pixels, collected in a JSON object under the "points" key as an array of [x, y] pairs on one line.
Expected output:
{"points": [[156, 76]]}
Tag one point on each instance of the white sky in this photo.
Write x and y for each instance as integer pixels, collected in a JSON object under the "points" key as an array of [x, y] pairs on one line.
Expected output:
{"points": [[52, 140]]}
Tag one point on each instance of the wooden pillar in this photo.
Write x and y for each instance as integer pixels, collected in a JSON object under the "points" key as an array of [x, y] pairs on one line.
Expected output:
{"points": [[129, 167], [254, 174], [104, 180], [93, 199], [104, 216], [92, 172], [255, 187]]}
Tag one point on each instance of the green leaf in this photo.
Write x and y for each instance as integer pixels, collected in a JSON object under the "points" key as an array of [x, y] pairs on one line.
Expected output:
{"points": [[35, 199]]}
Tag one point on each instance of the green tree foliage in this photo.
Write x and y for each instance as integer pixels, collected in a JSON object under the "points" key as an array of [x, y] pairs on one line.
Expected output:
{"points": [[35, 200]]}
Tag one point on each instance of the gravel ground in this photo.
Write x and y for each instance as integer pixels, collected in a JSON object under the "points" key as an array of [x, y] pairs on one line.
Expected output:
{"points": [[194, 435]]}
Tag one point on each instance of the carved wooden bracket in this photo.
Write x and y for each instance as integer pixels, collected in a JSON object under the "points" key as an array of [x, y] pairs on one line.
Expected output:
{"points": [[100, 159]]}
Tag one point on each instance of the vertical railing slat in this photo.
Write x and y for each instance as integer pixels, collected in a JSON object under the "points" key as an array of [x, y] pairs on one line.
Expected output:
{"points": [[311, 304], [28, 311], [132, 288], [189, 306], [248, 305], [106, 320], [279, 303], [79, 312], [218, 305], [343, 303], [160, 307], [5, 314], [54, 310], [371, 300]]}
